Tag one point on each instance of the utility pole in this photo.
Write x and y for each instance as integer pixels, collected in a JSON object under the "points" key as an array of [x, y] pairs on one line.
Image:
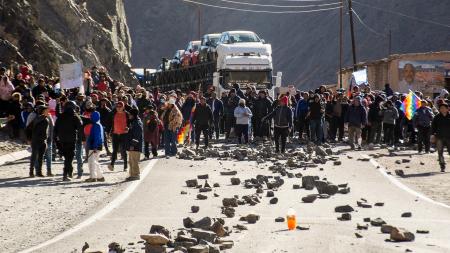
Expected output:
{"points": [[340, 42], [199, 21], [352, 31]]}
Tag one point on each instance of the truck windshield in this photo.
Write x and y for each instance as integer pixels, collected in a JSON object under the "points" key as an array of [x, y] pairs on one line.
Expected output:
{"points": [[243, 38], [261, 79]]}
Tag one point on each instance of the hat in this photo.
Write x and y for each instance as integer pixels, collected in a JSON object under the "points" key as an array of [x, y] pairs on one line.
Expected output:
{"points": [[443, 104], [284, 100]]}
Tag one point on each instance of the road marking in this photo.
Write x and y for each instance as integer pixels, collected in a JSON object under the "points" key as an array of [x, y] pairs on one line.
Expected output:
{"points": [[108, 208], [402, 186]]}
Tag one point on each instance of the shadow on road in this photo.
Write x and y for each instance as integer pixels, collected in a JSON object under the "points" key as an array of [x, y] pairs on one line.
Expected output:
{"points": [[425, 174]]}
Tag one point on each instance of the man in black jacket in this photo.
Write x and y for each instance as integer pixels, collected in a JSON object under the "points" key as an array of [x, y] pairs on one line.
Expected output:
{"points": [[261, 108], [202, 120], [283, 117], [68, 129], [217, 110], [440, 129], [39, 140]]}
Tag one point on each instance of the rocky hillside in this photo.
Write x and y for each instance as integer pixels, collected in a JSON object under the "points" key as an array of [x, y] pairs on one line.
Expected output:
{"points": [[46, 33], [305, 46]]}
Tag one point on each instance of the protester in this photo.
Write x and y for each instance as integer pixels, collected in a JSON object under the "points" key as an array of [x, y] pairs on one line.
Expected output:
{"points": [[230, 102], [152, 132], [440, 130], [356, 118], [390, 116], [119, 130], [262, 107], [202, 121], [172, 120], [315, 117], [217, 111], [39, 141], [94, 144], [134, 142], [283, 121], [242, 114], [422, 121]]}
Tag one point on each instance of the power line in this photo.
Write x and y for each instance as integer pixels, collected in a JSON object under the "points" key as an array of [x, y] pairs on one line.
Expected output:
{"points": [[261, 11], [280, 6], [404, 15], [366, 26]]}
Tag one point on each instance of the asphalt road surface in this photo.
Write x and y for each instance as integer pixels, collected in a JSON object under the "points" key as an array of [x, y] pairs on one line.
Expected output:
{"points": [[157, 200]]}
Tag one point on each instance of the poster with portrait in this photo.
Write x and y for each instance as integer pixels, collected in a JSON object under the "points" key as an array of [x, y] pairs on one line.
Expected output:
{"points": [[425, 76]]}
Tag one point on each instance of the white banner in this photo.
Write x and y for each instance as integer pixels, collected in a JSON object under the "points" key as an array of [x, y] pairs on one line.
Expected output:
{"points": [[71, 75]]}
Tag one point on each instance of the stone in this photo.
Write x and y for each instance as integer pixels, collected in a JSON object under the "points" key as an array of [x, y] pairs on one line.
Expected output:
{"points": [[337, 163], [398, 162], [302, 228], [358, 235], [188, 222], [279, 219], [204, 189], [379, 204], [422, 231], [199, 249], [155, 239], [226, 245], [363, 205], [203, 223], [185, 238], [217, 228], [401, 235], [228, 173], [344, 209], [201, 197], [160, 230], [362, 227], [270, 194], [192, 183], [273, 201], [240, 227], [153, 249], [201, 234], [216, 185], [400, 173], [320, 151], [229, 212], [206, 184], [205, 176], [345, 217], [386, 229], [344, 190], [195, 209], [252, 218], [310, 198], [407, 215], [378, 222], [298, 175], [259, 191], [235, 181], [227, 202], [308, 182], [329, 151], [366, 219], [295, 186], [404, 160], [183, 193]]}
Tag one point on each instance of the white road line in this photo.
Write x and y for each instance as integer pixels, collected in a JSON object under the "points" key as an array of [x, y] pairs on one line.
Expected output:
{"points": [[400, 185], [108, 208]]}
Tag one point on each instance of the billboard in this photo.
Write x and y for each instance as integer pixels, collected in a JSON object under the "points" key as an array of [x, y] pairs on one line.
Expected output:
{"points": [[425, 76]]}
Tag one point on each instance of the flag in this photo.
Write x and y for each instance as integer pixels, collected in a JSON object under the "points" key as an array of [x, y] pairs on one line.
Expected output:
{"points": [[410, 105], [183, 133]]}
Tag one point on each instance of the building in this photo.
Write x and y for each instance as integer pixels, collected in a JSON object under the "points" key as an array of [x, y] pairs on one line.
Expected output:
{"points": [[427, 72]]}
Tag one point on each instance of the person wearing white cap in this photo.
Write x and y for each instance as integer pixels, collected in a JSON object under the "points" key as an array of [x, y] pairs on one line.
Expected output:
{"points": [[243, 115], [172, 120]]}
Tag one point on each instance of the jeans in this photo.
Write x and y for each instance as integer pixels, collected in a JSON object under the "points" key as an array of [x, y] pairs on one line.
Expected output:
{"points": [[37, 155], [170, 142], [389, 133], [281, 133], [440, 144], [198, 131], [242, 130], [303, 127], [48, 156], [423, 138], [215, 129], [119, 142], [354, 133], [375, 132], [315, 126], [79, 157], [337, 126], [67, 150]]}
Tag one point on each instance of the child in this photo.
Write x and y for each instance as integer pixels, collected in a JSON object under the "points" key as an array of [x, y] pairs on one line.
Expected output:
{"points": [[152, 130], [94, 145]]}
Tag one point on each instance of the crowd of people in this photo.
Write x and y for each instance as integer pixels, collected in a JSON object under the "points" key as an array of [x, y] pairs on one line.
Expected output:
{"points": [[106, 114]]}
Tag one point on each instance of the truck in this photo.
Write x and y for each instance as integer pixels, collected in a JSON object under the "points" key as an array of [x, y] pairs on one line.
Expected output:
{"points": [[241, 58], [244, 59]]}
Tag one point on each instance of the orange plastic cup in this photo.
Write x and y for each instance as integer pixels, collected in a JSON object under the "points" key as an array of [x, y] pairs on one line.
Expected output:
{"points": [[291, 219]]}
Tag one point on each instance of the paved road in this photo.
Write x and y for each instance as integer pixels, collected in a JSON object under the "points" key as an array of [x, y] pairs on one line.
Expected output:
{"points": [[157, 200]]}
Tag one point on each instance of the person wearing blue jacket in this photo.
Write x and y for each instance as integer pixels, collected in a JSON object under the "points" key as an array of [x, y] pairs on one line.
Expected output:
{"points": [[94, 145], [422, 121], [356, 117], [301, 110]]}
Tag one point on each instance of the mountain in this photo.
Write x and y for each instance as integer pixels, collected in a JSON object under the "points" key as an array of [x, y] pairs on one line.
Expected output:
{"points": [[46, 33], [305, 45]]}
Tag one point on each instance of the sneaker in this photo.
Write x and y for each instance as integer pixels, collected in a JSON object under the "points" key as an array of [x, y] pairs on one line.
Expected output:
{"points": [[39, 175], [132, 178], [110, 167], [443, 167], [66, 179], [50, 174], [101, 179], [90, 180]]}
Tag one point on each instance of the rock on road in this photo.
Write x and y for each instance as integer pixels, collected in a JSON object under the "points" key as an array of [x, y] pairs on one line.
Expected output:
{"points": [[157, 200]]}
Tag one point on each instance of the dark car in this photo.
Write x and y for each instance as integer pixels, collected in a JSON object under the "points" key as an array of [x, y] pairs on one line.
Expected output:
{"points": [[208, 47]]}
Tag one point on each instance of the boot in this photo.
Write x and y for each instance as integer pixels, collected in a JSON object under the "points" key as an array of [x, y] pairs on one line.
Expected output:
{"points": [[442, 167], [31, 173]]}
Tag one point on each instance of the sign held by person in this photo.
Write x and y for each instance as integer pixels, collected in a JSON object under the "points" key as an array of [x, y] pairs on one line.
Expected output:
{"points": [[71, 75]]}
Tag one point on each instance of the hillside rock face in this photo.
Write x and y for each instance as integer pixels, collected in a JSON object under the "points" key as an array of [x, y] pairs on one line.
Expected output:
{"points": [[305, 45], [46, 33]]}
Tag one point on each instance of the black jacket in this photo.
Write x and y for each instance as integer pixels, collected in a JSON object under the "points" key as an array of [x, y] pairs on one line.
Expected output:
{"points": [[135, 135], [68, 127], [203, 115], [39, 130], [282, 116], [441, 126], [105, 118], [261, 108]]}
